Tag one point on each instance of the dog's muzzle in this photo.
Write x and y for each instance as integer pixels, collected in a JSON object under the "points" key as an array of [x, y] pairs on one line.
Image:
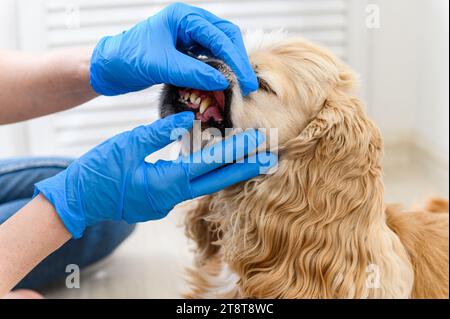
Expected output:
{"points": [[211, 108]]}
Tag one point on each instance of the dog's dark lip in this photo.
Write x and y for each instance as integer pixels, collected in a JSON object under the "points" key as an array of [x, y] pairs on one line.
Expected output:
{"points": [[172, 103]]}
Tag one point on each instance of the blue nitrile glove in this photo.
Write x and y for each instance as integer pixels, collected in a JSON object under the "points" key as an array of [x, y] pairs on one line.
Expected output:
{"points": [[148, 54], [113, 182]]}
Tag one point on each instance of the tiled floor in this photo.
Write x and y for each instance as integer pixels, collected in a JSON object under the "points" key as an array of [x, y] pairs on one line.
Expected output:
{"points": [[150, 264]]}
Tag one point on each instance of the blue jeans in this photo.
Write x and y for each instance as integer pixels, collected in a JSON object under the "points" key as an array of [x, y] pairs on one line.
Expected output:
{"points": [[17, 179]]}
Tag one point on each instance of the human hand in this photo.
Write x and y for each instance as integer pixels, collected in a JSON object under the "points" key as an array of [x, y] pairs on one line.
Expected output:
{"points": [[113, 181], [149, 53]]}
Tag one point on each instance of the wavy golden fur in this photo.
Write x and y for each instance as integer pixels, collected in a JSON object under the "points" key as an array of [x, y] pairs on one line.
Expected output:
{"points": [[318, 226]]}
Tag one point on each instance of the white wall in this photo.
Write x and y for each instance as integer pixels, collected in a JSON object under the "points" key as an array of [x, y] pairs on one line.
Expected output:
{"points": [[393, 68], [8, 18], [432, 115], [408, 95]]}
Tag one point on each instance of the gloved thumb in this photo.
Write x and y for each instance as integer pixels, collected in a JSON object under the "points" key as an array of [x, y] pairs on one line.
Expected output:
{"points": [[147, 139], [196, 74]]}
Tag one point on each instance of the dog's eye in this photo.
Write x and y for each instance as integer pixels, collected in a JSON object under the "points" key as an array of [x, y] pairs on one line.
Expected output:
{"points": [[263, 85]]}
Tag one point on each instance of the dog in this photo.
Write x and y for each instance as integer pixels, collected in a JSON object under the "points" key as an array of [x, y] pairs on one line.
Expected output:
{"points": [[317, 226]]}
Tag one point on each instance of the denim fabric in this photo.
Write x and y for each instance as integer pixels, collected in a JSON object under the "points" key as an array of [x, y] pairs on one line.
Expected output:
{"points": [[17, 179]]}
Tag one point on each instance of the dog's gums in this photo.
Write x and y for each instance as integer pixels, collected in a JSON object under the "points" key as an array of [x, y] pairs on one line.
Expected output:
{"points": [[211, 108], [206, 105]]}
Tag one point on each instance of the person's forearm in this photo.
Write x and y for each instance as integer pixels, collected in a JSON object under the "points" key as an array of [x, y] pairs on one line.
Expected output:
{"points": [[26, 238], [33, 85]]}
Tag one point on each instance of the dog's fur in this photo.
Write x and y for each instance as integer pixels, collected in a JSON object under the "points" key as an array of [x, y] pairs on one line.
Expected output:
{"points": [[317, 227]]}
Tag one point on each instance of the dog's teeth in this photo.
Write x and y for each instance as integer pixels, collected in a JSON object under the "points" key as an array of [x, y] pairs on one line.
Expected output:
{"points": [[197, 101], [186, 96], [205, 104], [193, 97]]}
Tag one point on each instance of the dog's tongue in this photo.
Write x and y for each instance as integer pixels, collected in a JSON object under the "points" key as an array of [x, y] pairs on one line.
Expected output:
{"points": [[214, 111]]}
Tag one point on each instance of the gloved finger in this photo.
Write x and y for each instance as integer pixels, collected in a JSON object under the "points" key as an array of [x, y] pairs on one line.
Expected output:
{"points": [[235, 35], [225, 152], [196, 74], [232, 174], [215, 40], [229, 28], [147, 139]]}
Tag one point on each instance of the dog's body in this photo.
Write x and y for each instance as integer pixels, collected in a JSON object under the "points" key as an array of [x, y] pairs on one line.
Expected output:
{"points": [[423, 234], [318, 226]]}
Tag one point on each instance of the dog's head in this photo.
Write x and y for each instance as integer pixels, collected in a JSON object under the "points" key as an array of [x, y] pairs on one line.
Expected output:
{"points": [[295, 79], [311, 228]]}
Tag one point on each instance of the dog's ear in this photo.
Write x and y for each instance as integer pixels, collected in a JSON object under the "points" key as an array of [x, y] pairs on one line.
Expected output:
{"points": [[318, 128], [341, 152], [311, 229], [340, 130], [339, 111]]}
